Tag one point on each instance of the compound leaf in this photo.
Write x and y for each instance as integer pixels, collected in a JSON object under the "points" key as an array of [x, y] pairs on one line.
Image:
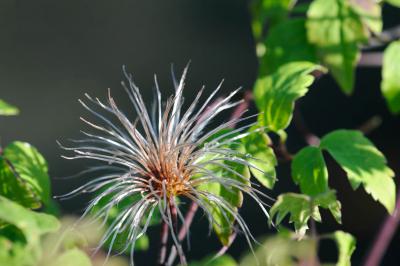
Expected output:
{"points": [[363, 163], [336, 30]]}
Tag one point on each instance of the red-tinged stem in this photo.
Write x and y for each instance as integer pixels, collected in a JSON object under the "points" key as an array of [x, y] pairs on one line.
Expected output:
{"points": [[183, 231], [384, 237], [164, 241], [243, 106]]}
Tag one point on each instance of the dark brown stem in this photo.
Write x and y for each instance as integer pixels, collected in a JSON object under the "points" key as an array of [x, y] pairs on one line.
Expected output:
{"points": [[183, 231], [164, 242], [370, 125], [384, 237]]}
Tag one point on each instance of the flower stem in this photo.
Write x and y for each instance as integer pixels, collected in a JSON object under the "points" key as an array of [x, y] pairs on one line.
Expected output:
{"points": [[183, 231], [164, 241]]}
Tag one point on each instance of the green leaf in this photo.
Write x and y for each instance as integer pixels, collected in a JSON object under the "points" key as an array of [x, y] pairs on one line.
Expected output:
{"points": [[223, 225], [120, 241], [394, 2], [346, 244], [300, 209], [285, 48], [327, 200], [363, 163], [336, 30], [224, 260], [31, 167], [271, 11], [282, 249], [261, 155], [31, 224], [370, 12], [15, 188], [72, 257], [390, 76], [275, 94], [310, 172], [7, 109]]}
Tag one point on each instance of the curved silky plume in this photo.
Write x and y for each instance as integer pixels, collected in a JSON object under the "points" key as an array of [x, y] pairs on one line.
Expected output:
{"points": [[158, 158]]}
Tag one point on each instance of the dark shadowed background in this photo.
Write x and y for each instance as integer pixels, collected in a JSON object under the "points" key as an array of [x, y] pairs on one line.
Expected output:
{"points": [[52, 52]]}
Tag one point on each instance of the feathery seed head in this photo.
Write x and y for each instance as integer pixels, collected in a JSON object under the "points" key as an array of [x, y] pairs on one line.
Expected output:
{"points": [[163, 155]]}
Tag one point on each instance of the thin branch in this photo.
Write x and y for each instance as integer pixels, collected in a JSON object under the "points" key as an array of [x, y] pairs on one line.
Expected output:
{"points": [[371, 59], [384, 38], [371, 124], [384, 236]]}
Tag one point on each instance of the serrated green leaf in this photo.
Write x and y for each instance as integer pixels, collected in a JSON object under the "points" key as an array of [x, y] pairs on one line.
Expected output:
{"points": [[299, 208], [370, 12], [7, 109], [224, 260], [336, 30], [327, 200], [30, 166], [346, 244], [15, 188], [363, 163], [72, 257], [261, 155], [31, 224], [285, 48], [309, 171], [275, 94], [390, 85]]}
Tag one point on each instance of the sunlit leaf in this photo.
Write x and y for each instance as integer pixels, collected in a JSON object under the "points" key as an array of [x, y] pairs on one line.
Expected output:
{"points": [[285, 48], [346, 244], [364, 164], [7, 109], [282, 250], [275, 94], [394, 2], [310, 172], [15, 188], [223, 225], [299, 208], [72, 257], [390, 76], [31, 167], [261, 155], [31, 224], [336, 30], [370, 12]]}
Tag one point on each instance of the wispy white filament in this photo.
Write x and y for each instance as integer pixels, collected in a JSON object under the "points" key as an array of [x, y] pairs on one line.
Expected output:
{"points": [[159, 157]]}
